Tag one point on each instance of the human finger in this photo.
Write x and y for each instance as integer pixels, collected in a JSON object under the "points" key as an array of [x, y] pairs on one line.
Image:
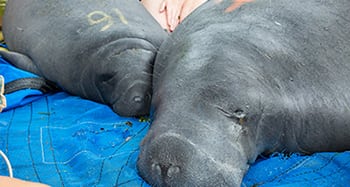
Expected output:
{"points": [[162, 6]]}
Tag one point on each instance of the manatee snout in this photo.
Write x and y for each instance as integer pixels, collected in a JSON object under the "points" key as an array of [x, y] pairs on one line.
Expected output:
{"points": [[135, 100], [173, 160], [124, 79], [160, 162]]}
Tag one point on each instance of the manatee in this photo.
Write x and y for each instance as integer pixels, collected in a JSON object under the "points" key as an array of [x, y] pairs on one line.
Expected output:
{"points": [[230, 85], [100, 50]]}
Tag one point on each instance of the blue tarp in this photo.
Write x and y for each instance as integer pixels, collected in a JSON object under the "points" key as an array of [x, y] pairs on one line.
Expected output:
{"points": [[20, 97], [63, 140]]}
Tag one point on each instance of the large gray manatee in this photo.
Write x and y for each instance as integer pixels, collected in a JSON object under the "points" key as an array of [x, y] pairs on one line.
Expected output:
{"points": [[269, 76], [100, 50]]}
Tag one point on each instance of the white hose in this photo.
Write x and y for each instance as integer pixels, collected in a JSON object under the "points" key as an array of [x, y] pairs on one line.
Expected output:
{"points": [[9, 167]]}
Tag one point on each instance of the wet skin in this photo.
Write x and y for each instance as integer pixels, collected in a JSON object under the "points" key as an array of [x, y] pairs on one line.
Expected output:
{"points": [[268, 76], [99, 50]]}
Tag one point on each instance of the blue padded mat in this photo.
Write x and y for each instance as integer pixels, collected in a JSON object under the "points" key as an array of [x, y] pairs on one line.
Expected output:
{"points": [[63, 140]]}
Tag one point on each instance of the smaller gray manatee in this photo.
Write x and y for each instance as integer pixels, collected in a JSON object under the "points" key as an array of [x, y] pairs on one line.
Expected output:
{"points": [[99, 50]]}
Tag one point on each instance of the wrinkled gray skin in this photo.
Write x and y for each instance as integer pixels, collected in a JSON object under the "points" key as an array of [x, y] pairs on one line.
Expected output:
{"points": [[269, 76], [100, 50]]}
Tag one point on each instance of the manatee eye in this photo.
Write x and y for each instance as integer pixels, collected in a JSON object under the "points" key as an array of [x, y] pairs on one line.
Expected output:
{"points": [[238, 115], [105, 77]]}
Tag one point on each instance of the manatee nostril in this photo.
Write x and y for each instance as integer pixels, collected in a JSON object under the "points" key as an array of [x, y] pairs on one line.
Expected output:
{"points": [[162, 170], [157, 169], [139, 93], [134, 101], [166, 159], [173, 171], [141, 99], [138, 99]]}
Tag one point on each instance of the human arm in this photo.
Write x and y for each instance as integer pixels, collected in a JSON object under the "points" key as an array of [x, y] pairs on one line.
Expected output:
{"points": [[12, 182]]}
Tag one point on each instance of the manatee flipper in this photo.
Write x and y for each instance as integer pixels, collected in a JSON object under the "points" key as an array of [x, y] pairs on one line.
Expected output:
{"points": [[20, 61]]}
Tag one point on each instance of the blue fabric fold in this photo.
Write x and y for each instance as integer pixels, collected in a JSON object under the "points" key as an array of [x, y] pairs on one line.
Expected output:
{"points": [[21, 97], [320, 169]]}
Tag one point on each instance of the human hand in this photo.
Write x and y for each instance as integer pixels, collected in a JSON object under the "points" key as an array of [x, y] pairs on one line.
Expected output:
{"points": [[173, 10]]}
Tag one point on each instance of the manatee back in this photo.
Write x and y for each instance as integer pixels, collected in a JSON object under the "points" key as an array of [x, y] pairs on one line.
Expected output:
{"points": [[271, 75], [56, 32], [288, 59], [88, 47]]}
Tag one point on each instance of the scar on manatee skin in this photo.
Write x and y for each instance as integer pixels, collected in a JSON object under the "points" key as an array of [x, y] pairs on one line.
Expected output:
{"points": [[236, 4]]}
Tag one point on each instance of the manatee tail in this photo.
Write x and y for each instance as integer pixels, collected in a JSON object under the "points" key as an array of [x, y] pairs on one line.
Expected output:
{"points": [[20, 61]]}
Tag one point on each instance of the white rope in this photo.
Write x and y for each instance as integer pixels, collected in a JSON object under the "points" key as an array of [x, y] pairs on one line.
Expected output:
{"points": [[9, 167]]}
